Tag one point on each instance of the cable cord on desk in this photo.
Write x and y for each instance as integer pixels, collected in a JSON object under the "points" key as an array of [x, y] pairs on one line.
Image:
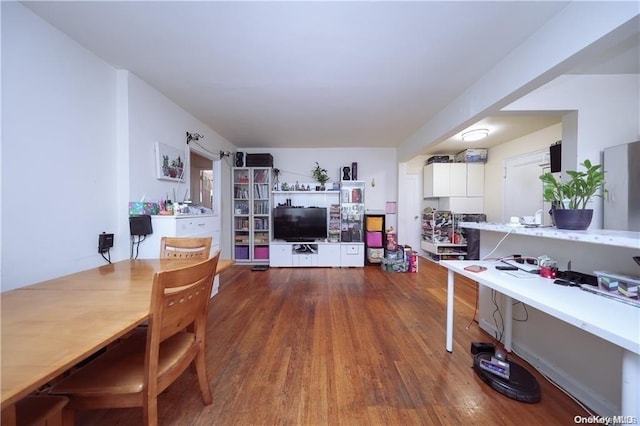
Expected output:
{"points": [[497, 245], [136, 244], [499, 329]]}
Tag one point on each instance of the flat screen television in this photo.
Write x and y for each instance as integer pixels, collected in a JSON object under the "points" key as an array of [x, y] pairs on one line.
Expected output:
{"points": [[300, 224]]}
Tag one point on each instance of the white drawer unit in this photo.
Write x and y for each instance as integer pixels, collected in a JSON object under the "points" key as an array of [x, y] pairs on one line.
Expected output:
{"points": [[319, 254], [352, 254], [179, 226], [194, 226]]}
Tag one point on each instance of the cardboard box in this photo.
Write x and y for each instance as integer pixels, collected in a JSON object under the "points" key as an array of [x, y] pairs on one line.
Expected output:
{"points": [[472, 155], [138, 208]]}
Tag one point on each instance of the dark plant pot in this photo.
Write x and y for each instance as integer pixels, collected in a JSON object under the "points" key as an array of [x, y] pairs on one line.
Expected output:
{"points": [[577, 220]]}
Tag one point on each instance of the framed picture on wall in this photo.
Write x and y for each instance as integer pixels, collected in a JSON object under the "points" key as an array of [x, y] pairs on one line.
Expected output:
{"points": [[169, 162]]}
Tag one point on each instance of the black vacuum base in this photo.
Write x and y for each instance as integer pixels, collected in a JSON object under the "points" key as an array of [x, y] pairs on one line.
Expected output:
{"points": [[521, 385]]}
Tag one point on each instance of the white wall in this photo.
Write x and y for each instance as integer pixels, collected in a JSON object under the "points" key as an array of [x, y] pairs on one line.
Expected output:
{"points": [[77, 145], [558, 46], [377, 167], [154, 118], [58, 151], [607, 113], [494, 168]]}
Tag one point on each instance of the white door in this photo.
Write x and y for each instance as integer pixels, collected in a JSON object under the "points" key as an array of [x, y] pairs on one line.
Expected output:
{"points": [[522, 185], [409, 205]]}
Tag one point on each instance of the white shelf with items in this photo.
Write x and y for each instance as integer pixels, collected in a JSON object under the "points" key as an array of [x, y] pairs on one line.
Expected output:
{"points": [[352, 223], [251, 214], [442, 238]]}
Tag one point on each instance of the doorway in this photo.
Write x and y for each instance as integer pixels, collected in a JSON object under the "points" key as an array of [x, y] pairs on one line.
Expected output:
{"points": [[202, 181], [522, 185]]}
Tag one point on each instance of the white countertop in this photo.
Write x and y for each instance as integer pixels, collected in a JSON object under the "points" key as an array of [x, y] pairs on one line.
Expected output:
{"points": [[629, 239], [180, 216], [608, 319]]}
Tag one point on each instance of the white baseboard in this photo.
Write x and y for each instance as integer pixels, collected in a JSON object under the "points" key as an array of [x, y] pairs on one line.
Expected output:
{"points": [[569, 384]]}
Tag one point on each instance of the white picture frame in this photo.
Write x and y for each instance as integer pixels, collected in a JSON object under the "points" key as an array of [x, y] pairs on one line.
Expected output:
{"points": [[170, 162]]}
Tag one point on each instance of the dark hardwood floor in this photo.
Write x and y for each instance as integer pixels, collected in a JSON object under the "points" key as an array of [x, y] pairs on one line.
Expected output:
{"points": [[338, 346]]}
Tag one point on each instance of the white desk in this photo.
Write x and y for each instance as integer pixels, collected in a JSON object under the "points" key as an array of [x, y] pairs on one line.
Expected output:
{"points": [[614, 321]]}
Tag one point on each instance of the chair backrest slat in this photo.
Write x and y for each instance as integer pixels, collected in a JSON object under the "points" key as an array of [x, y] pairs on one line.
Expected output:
{"points": [[185, 248]]}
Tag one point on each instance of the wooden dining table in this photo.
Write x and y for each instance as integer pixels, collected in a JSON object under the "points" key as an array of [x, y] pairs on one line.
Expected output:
{"points": [[49, 327]]}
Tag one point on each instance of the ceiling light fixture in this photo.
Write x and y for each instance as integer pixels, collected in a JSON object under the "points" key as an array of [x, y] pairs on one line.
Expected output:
{"points": [[475, 135]]}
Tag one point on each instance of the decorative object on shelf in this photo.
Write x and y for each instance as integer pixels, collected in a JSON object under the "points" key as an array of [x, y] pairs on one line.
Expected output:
{"points": [[169, 162], [354, 171], [346, 173], [276, 176], [320, 175], [573, 195]]}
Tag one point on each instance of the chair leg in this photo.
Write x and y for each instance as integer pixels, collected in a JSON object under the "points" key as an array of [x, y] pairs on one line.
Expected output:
{"points": [[203, 380], [150, 412], [68, 416]]}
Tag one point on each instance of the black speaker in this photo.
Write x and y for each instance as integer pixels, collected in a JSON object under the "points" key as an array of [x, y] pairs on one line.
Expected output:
{"points": [[239, 159], [555, 157]]}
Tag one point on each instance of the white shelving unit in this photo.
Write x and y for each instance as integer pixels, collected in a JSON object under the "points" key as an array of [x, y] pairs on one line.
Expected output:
{"points": [[441, 236], [345, 218], [251, 214]]}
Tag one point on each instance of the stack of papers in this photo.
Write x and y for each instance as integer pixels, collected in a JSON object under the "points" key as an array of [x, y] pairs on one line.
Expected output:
{"points": [[523, 266], [521, 274]]}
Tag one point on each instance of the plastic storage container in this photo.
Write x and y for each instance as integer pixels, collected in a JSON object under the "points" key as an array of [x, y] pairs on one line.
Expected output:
{"points": [[625, 284]]}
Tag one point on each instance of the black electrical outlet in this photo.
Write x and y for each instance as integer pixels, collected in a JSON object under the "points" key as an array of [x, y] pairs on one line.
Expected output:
{"points": [[105, 242]]}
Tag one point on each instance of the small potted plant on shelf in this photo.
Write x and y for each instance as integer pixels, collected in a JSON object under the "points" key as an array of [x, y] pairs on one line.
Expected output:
{"points": [[320, 175], [570, 197]]}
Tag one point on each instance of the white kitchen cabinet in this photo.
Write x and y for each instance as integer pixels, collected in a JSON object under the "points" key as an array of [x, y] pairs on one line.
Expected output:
{"points": [[453, 180], [475, 179]]}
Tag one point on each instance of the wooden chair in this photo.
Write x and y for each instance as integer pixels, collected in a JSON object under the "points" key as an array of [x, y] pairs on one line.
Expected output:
{"points": [[185, 248], [138, 369]]}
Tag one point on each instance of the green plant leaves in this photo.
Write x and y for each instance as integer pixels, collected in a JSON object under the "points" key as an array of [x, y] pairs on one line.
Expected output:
{"points": [[579, 189]]}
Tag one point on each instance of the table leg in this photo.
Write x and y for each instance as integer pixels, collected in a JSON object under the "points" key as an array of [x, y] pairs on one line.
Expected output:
{"points": [[8, 417], [450, 290], [630, 405], [508, 323]]}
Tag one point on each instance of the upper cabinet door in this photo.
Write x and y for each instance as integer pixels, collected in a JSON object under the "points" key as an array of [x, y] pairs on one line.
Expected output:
{"points": [[458, 180], [436, 180], [475, 179]]}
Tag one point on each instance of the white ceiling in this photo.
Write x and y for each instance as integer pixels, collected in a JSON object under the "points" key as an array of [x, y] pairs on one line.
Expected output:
{"points": [[315, 74]]}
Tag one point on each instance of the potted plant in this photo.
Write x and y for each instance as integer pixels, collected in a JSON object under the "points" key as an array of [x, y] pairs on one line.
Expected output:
{"points": [[320, 175], [570, 197]]}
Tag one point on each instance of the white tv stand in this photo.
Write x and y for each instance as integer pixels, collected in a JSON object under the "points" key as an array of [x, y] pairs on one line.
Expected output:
{"points": [[315, 254]]}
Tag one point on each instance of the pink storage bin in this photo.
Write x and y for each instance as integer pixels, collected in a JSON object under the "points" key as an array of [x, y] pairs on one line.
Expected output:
{"points": [[374, 239], [261, 253]]}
